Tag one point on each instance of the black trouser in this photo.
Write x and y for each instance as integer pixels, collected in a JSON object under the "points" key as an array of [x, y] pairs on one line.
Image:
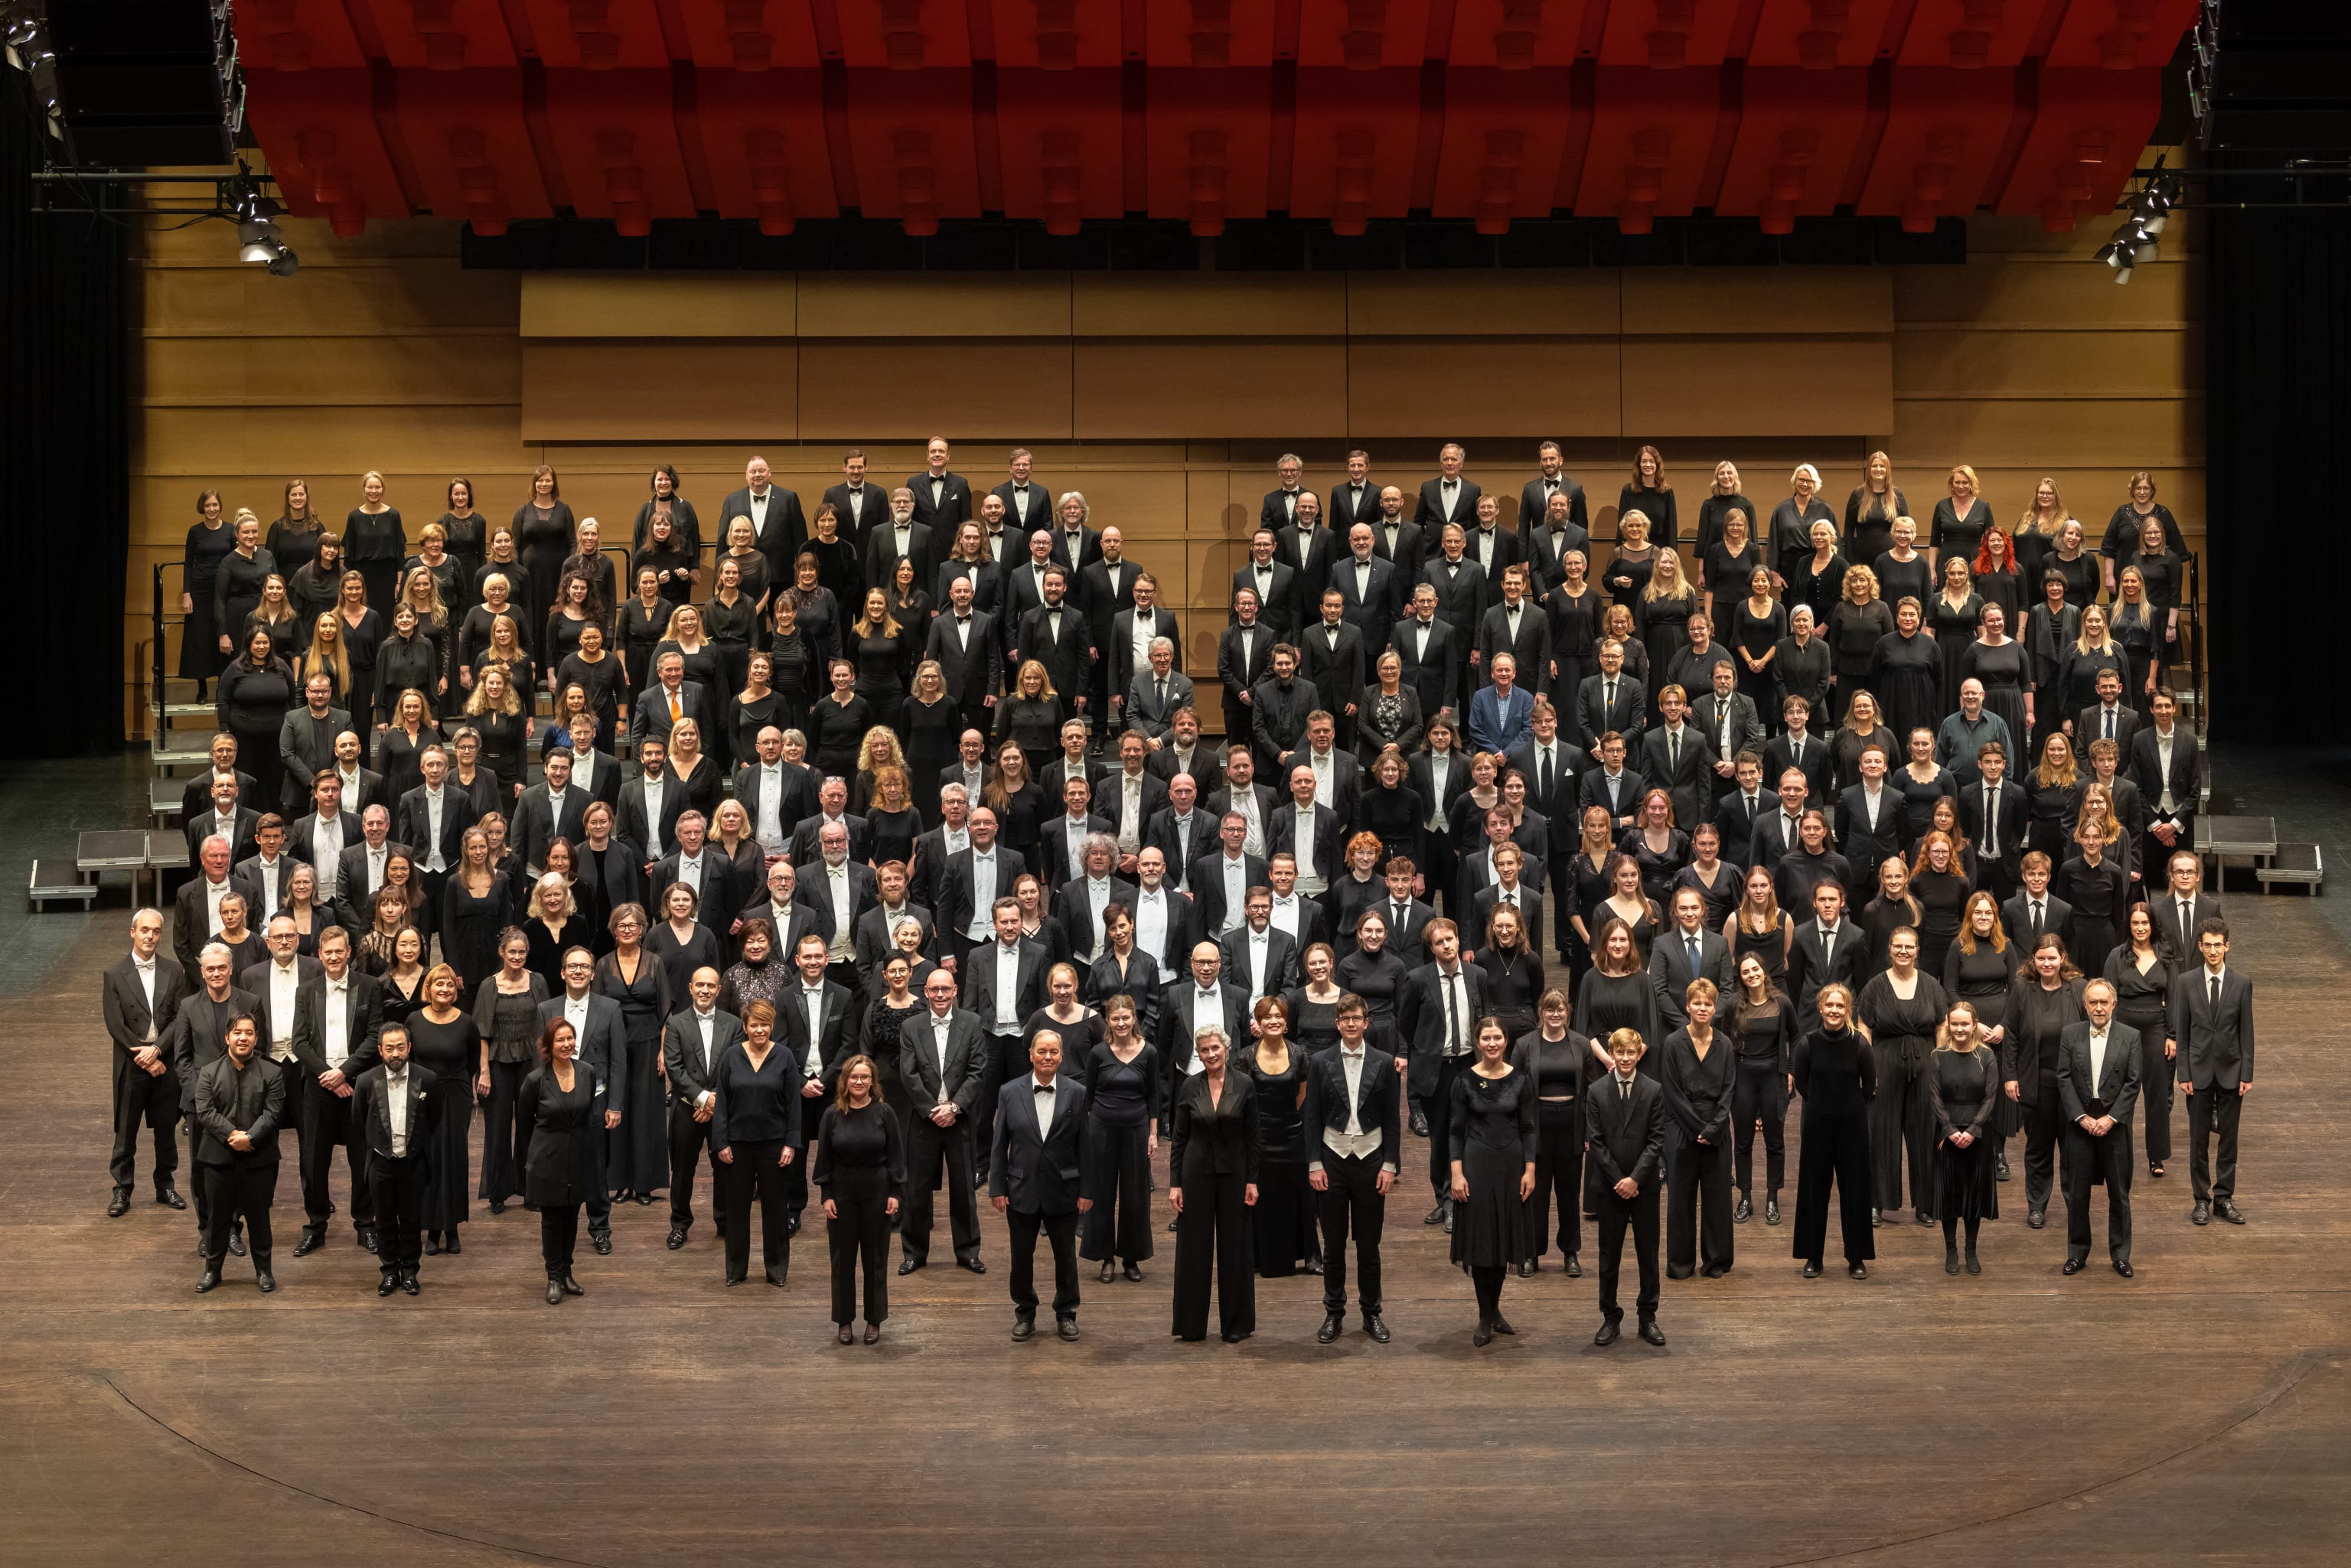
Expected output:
{"points": [[2157, 1082], [599, 1197], [1559, 1177], [1697, 1202], [928, 1146], [1759, 1096], [428, 914], [144, 1099], [397, 1189], [2087, 1160], [1351, 1200], [1214, 1233], [1902, 1121], [1485, 1279], [1114, 1159], [860, 1233], [795, 1176], [234, 1192], [300, 1084], [1004, 1062], [1640, 1212], [2211, 1111], [1440, 1106], [754, 1170], [331, 1124], [689, 1144], [504, 1141], [1062, 1230], [559, 1236], [2044, 1119]]}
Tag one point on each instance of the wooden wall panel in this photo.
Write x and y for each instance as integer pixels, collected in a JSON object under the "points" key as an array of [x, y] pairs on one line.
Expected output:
{"points": [[1507, 386], [363, 372], [1767, 386], [658, 305], [1006, 390], [1208, 304], [932, 305], [1737, 301], [1209, 388], [637, 390], [1576, 302]]}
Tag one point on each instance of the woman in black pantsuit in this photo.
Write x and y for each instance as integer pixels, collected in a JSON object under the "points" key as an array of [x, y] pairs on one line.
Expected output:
{"points": [[1699, 1077], [756, 1133], [1964, 1074], [505, 1014], [1560, 1062], [1902, 1038], [1212, 1165], [1761, 1024], [861, 1168], [1838, 1078], [1122, 1138], [1493, 1146], [562, 1103]]}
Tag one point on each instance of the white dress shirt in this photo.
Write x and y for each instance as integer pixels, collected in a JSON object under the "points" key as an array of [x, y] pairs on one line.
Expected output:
{"points": [[145, 969], [395, 1108], [983, 894], [338, 1024], [2097, 1058], [1236, 870], [1007, 988], [836, 881], [939, 1028], [283, 978], [1151, 923], [434, 799], [1043, 1095], [327, 854]]}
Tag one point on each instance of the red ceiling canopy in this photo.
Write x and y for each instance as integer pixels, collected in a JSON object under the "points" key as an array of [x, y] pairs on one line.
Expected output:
{"points": [[1208, 111]]}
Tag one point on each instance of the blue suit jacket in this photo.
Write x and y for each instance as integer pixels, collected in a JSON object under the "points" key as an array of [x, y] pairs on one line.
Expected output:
{"points": [[1496, 725]]}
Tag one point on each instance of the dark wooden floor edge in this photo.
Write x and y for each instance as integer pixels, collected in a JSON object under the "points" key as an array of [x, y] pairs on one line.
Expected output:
{"points": [[2289, 1377], [218, 1458]]}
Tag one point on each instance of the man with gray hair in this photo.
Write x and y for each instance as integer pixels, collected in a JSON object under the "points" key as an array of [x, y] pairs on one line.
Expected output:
{"points": [[1082, 900]]}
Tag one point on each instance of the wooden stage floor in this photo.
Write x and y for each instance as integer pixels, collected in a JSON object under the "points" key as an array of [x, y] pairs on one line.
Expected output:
{"points": [[2201, 1412]]}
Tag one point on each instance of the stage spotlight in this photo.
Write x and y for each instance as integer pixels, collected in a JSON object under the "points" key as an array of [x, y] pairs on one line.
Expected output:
{"points": [[284, 263]]}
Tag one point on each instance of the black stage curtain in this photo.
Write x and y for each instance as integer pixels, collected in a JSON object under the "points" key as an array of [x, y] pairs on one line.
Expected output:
{"points": [[2278, 431], [64, 490]]}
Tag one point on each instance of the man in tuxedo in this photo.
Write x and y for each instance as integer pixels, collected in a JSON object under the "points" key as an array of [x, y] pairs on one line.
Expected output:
{"points": [[1154, 696], [1624, 1129], [1354, 1147], [338, 1016], [1310, 549], [778, 526], [2097, 1084], [1130, 797], [1612, 786], [270, 868], [1367, 589], [859, 504], [815, 1023], [140, 999], [773, 793], [1439, 1006], [1449, 498], [832, 810], [942, 498], [1166, 924], [1189, 1004], [1796, 747], [1056, 635], [1037, 1183], [1280, 509], [1463, 591], [971, 768], [1298, 915], [876, 936], [1828, 950], [693, 1043], [1129, 634], [1354, 500], [1552, 483], [839, 890], [970, 883], [240, 1104], [1687, 952], [1551, 769], [1338, 777], [226, 818], [276, 984], [1400, 542], [1996, 818], [317, 840], [1611, 701], [1507, 863], [670, 699], [1261, 960], [1180, 834], [1727, 718], [1780, 833], [899, 536], [1060, 842], [2031, 912], [1869, 818], [779, 904], [1740, 812], [1026, 504], [2180, 906], [2108, 718], [306, 740], [1075, 546], [1679, 758], [2212, 1021], [1330, 659], [360, 875], [1003, 983], [431, 822], [934, 849], [708, 873], [943, 1060], [551, 810], [601, 1039], [1182, 751], [1494, 548], [197, 797], [1024, 584], [394, 1106], [1220, 883], [1109, 590], [1274, 583], [362, 785], [2163, 764], [964, 644], [197, 1039], [1431, 651], [1081, 904], [1242, 793]]}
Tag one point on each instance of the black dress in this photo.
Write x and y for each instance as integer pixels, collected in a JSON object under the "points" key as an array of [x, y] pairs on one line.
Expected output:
{"points": [[637, 1160], [929, 733], [1606, 1003], [1980, 980], [237, 592], [1902, 1115], [1955, 633], [601, 683], [1901, 580], [374, 544], [1756, 637], [252, 703], [642, 631], [2100, 895], [1395, 816], [1493, 1136], [452, 1053], [1820, 590], [1514, 985], [1283, 1223], [892, 834], [1950, 534], [200, 655], [1965, 1087], [837, 732], [1376, 978], [1769, 948], [1838, 1076], [1906, 674], [1659, 507], [1123, 1104], [2005, 672], [1869, 520], [469, 928], [1942, 898], [543, 538], [1721, 895], [881, 668], [467, 541], [566, 1126]]}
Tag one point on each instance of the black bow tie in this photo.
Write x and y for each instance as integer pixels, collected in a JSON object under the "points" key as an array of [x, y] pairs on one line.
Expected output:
{"points": [[1044, 1089]]}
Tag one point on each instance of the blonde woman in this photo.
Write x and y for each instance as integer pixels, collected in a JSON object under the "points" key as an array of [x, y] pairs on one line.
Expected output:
{"points": [[1628, 573], [1955, 615], [1031, 715], [2035, 538], [1723, 498], [497, 717], [1668, 603], [683, 636], [1870, 510], [878, 645], [931, 723], [2049, 791], [696, 772], [330, 657], [1793, 520], [237, 581], [294, 537], [2094, 651], [879, 750], [1960, 519], [1860, 621], [374, 542]]}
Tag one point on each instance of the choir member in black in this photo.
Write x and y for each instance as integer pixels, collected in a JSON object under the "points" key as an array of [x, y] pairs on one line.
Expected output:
{"points": [[1700, 1082], [1856, 624], [1123, 1085], [1993, 572], [1574, 608], [1377, 975], [239, 1106], [1922, 781], [2097, 1080], [1512, 964], [1902, 570], [1621, 898], [453, 580], [1813, 864], [374, 541], [1492, 1146], [931, 725], [445, 1041], [561, 1106], [2043, 999], [2081, 569], [1619, 992], [1814, 570], [1037, 1181], [1954, 615], [1906, 672], [756, 1131], [1282, 1226], [393, 1108], [1763, 1024], [257, 690], [465, 531], [141, 998], [1963, 1076], [1716, 881], [1938, 882], [576, 608], [1870, 510], [1961, 519], [1660, 849], [1794, 520], [2213, 1026], [1979, 966], [1758, 626], [410, 660], [210, 540], [2050, 793], [1390, 808], [313, 589], [1124, 970], [1900, 1008], [837, 730], [644, 623], [2099, 891], [683, 943], [1213, 1168], [503, 728], [838, 569], [505, 1013], [666, 502], [860, 1169], [1893, 909], [543, 534], [237, 581], [553, 924], [693, 770], [2140, 627], [1560, 1062], [1833, 1070], [1625, 1122], [882, 652], [2141, 969]]}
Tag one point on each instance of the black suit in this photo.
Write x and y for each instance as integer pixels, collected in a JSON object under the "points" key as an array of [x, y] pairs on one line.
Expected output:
{"points": [[1862, 844], [238, 831], [1338, 674], [1349, 506], [2163, 908], [1624, 1132], [1546, 550], [2145, 762], [690, 1067], [537, 824], [1036, 1170], [1409, 551], [836, 1039], [1432, 515], [1683, 767], [1277, 594], [1997, 875], [1621, 797], [197, 798], [1207, 767], [1817, 765], [879, 547], [1281, 960], [1205, 883], [872, 511], [1076, 557], [1372, 608], [1350, 1198], [1279, 510], [1068, 658], [959, 1075], [958, 893], [1669, 966], [717, 898], [785, 532], [395, 1182], [1534, 503], [1436, 673], [1425, 1014], [651, 716], [2215, 1060], [2016, 918], [234, 1185], [1596, 715], [796, 798], [1812, 963], [2090, 1159], [1213, 1160], [953, 507], [142, 1097], [980, 999], [412, 825], [1039, 512], [972, 662], [1310, 558], [2089, 725], [1179, 1024], [1736, 822], [327, 1120]]}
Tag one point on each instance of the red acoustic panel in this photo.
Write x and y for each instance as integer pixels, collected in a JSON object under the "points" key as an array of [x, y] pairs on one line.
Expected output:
{"points": [[2086, 137], [318, 130], [597, 34], [1666, 34], [2121, 34], [1059, 142], [1818, 35], [1352, 152], [470, 145], [1517, 35], [906, 35], [1207, 34], [911, 135], [1972, 34], [1207, 133], [618, 142], [763, 134], [1943, 134], [1499, 157], [1059, 34], [441, 35], [296, 36], [1651, 131], [1361, 34], [751, 35], [1797, 131]]}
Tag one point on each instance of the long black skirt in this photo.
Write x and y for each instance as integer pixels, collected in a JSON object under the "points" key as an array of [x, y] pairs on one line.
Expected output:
{"points": [[1964, 1184]]}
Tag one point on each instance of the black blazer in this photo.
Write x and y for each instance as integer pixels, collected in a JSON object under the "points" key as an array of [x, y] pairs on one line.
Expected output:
{"points": [[1545, 548], [918, 1064], [692, 1073], [217, 1091], [811, 889], [1735, 825], [806, 845], [364, 1022], [1860, 845], [956, 891], [1375, 1109], [1205, 883], [1421, 1021], [1207, 767], [2057, 915], [1074, 911], [2088, 727], [1238, 674], [1179, 1029], [1534, 505], [836, 1033], [787, 528], [1818, 764], [881, 549], [1040, 507], [1338, 674], [2216, 1044], [872, 508], [1594, 717], [1280, 605], [535, 826], [1088, 551], [199, 1035], [1626, 1131], [1374, 610], [123, 1001], [371, 1108], [1690, 781], [197, 798], [412, 824], [1346, 509], [1281, 960], [1029, 977], [974, 668], [1847, 962], [1183, 930], [1433, 676], [1215, 1137], [1463, 592], [238, 831], [2116, 1091], [1053, 843], [796, 800], [2146, 766], [718, 899], [1035, 1169], [1593, 791], [1430, 513], [1669, 966], [2163, 908], [2015, 822], [1069, 659]]}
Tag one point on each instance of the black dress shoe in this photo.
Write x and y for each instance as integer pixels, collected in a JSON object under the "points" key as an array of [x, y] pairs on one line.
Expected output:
{"points": [[2155, 1171], [1651, 1331], [1608, 1334], [264, 1279], [572, 1286], [168, 1196], [873, 1333], [2122, 1267], [1744, 1212], [1376, 1326], [209, 1280], [498, 1206], [677, 1239], [408, 1282], [1772, 1209], [972, 1265], [1234, 1338], [2200, 1215], [1481, 1339], [1109, 1271], [906, 1266], [1502, 1325], [603, 1245], [1331, 1324], [1857, 1270], [792, 1226], [119, 1204], [554, 1293], [1811, 1270], [775, 1277], [2036, 1217], [1314, 1265], [311, 1241], [1950, 1260], [1574, 1266], [2074, 1266], [1448, 1220], [1067, 1328], [236, 1243], [847, 1334], [2228, 1211], [1526, 1268], [387, 1285], [1876, 1218], [1435, 1216], [1973, 1267], [433, 1246], [1171, 1225], [1676, 1272], [1133, 1274], [644, 1198], [1714, 1271], [735, 1279], [1923, 1217], [1024, 1326], [451, 1246], [366, 1240], [2000, 1170], [1419, 1124]]}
